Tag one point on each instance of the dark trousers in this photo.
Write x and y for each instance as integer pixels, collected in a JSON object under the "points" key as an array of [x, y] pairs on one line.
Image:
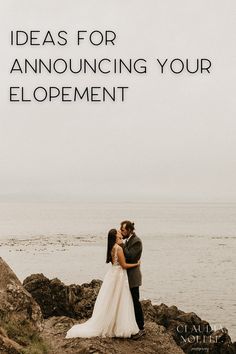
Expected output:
{"points": [[137, 307]]}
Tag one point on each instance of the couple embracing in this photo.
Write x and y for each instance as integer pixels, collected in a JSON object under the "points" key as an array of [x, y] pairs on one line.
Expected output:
{"points": [[117, 311]]}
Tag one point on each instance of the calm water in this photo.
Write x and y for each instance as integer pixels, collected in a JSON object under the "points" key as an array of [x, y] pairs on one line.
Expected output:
{"points": [[188, 258]]}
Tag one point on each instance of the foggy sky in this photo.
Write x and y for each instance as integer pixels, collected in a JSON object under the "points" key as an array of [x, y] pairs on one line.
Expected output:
{"points": [[172, 139]]}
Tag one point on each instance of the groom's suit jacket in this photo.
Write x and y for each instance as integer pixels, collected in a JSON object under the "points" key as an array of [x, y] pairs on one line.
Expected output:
{"points": [[132, 251]]}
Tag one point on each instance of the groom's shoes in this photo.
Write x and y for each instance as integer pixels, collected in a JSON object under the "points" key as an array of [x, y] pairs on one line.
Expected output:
{"points": [[138, 335]]}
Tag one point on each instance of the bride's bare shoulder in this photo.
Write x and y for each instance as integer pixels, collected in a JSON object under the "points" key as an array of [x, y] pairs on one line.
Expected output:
{"points": [[116, 247], [119, 248]]}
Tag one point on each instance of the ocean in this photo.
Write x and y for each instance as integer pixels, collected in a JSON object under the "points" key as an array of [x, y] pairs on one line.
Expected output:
{"points": [[188, 249]]}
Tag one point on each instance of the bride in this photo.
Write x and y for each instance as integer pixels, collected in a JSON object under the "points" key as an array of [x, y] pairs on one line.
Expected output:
{"points": [[113, 313]]}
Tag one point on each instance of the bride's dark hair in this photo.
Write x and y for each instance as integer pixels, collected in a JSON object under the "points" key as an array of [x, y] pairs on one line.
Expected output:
{"points": [[111, 240]]}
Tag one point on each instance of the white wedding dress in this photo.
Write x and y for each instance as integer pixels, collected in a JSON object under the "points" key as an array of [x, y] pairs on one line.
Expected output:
{"points": [[113, 313]]}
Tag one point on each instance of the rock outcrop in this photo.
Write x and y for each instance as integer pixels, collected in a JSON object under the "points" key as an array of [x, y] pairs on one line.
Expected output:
{"points": [[57, 299], [157, 341], [170, 330], [16, 303], [188, 330], [20, 315]]}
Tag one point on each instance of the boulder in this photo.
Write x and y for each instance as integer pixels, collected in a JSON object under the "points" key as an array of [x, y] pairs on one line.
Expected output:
{"points": [[57, 299], [16, 303], [21, 320]]}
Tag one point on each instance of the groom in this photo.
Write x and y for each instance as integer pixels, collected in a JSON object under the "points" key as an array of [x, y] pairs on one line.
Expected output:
{"points": [[132, 251]]}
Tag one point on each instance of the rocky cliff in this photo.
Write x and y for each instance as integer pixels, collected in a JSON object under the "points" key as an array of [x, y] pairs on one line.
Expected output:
{"points": [[169, 330], [35, 316]]}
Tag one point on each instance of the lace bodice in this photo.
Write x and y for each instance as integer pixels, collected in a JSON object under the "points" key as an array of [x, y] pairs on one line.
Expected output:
{"points": [[114, 255]]}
